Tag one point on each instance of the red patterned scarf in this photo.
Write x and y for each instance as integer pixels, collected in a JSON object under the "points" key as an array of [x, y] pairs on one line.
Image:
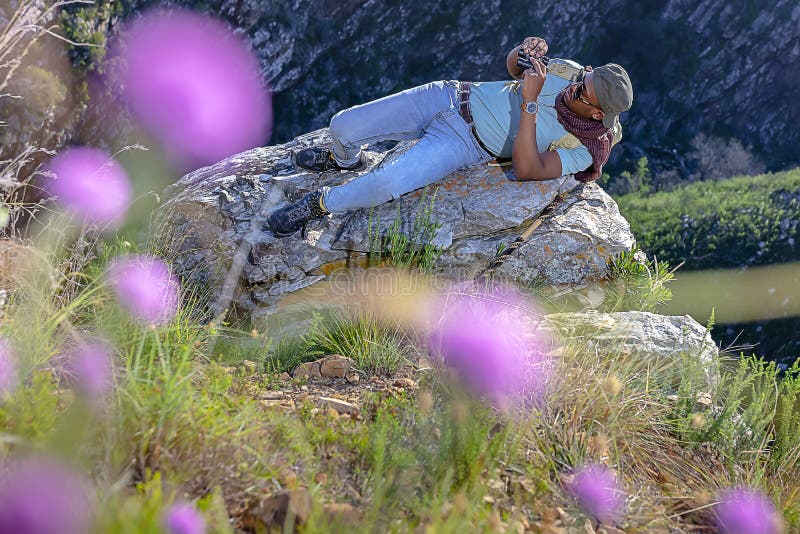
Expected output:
{"points": [[592, 134]]}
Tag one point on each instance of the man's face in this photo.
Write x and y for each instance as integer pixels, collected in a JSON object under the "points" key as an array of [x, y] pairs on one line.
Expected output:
{"points": [[582, 99]]}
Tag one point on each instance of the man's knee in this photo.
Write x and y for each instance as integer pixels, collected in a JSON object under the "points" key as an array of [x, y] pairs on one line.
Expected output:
{"points": [[341, 127]]}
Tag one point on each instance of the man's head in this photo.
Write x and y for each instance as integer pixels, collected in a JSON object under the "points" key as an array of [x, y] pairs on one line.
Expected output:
{"points": [[603, 94], [614, 91]]}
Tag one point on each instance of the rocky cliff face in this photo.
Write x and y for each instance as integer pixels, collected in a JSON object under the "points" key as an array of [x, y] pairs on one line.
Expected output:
{"points": [[723, 68]]}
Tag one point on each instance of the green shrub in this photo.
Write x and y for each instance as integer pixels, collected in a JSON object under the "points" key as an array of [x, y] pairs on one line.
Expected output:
{"points": [[412, 250], [636, 283], [375, 346], [731, 223]]}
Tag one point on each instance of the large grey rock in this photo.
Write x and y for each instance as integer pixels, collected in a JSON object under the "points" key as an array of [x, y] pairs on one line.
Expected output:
{"points": [[211, 226], [658, 341]]}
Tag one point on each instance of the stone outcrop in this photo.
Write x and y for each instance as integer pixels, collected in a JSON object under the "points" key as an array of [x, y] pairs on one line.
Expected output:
{"points": [[210, 224], [657, 341]]}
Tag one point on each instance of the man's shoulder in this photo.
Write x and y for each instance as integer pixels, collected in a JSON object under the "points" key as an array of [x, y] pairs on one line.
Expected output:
{"points": [[564, 68]]}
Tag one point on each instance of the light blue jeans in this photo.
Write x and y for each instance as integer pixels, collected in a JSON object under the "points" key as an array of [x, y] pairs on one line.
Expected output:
{"points": [[429, 113]]}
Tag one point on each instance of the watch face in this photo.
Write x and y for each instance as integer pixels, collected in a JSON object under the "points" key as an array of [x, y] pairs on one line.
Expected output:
{"points": [[531, 107]]}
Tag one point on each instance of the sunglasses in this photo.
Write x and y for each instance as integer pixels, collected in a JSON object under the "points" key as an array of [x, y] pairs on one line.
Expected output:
{"points": [[580, 91]]}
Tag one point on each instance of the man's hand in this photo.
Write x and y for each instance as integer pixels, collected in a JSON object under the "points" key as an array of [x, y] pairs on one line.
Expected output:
{"points": [[533, 81], [534, 46]]}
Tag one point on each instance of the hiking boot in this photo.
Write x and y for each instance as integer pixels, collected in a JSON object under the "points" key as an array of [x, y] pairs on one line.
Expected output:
{"points": [[289, 219], [320, 159]]}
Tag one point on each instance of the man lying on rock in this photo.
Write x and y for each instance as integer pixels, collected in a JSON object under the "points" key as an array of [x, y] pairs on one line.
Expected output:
{"points": [[563, 121]]}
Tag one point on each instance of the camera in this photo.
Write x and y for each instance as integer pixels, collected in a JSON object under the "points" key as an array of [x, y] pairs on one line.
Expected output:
{"points": [[524, 60]]}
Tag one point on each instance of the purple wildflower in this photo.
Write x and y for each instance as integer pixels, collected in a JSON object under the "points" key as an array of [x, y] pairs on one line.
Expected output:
{"points": [[488, 338], [747, 511], [91, 364], [145, 287], [91, 185], [42, 496], [194, 86], [8, 368], [596, 490], [184, 519]]}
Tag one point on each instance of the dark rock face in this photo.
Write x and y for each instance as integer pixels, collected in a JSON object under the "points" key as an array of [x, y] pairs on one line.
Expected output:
{"points": [[697, 66]]}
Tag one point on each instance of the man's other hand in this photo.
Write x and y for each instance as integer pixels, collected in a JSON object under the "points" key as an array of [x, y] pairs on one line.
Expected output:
{"points": [[534, 46], [533, 81]]}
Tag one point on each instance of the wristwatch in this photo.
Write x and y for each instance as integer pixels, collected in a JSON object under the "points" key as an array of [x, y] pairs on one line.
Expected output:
{"points": [[531, 108]]}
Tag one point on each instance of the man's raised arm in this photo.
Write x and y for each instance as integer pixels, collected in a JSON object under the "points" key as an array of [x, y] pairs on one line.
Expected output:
{"points": [[511, 64]]}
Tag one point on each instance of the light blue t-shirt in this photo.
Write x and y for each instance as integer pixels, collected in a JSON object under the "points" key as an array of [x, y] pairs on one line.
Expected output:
{"points": [[496, 112]]}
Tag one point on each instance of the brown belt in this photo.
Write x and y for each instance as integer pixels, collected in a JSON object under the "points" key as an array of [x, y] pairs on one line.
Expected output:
{"points": [[466, 112]]}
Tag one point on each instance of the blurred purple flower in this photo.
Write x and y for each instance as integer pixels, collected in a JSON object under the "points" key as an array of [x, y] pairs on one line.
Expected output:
{"points": [[194, 86], [8, 368], [596, 490], [91, 185], [184, 519], [747, 511], [488, 337], [91, 363], [145, 287], [42, 496]]}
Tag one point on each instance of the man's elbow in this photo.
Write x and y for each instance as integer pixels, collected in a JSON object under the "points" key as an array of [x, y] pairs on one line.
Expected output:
{"points": [[522, 174]]}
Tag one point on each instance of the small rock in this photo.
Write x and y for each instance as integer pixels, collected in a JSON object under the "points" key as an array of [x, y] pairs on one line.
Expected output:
{"points": [[273, 510], [228, 370], [342, 512], [321, 478], [704, 399], [303, 388], [339, 405], [335, 366], [405, 383], [333, 414], [284, 376], [249, 365], [353, 378], [272, 395], [307, 370]]}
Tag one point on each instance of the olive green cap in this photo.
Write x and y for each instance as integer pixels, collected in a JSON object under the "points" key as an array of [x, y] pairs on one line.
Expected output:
{"points": [[614, 91]]}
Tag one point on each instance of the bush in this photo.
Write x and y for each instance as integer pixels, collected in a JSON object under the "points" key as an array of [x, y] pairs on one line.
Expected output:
{"points": [[718, 159], [731, 223], [639, 180], [636, 283]]}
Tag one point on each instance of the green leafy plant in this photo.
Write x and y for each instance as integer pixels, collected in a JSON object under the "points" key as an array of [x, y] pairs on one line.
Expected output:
{"points": [[636, 283], [414, 249]]}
